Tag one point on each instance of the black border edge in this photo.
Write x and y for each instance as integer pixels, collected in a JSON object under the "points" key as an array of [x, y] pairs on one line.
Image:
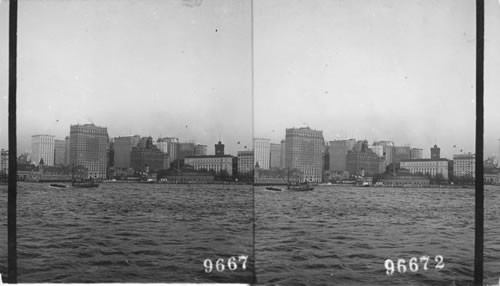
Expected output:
{"points": [[479, 204], [12, 189]]}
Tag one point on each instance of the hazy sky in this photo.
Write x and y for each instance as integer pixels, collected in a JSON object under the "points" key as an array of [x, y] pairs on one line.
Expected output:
{"points": [[393, 70], [160, 68]]}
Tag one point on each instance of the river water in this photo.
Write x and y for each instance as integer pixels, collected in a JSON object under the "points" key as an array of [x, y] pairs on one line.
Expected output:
{"points": [[338, 235], [335, 235], [131, 233]]}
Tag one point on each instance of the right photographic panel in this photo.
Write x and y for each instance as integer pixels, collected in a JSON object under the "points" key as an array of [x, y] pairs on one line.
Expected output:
{"points": [[491, 142], [364, 141]]}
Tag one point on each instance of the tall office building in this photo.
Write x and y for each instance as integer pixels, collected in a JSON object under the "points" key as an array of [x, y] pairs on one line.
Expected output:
{"points": [[275, 156], [337, 154], [66, 151], [416, 153], [261, 149], [42, 147], [245, 162], [304, 152], [186, 149], [282, 164], [200, 150], [88, 148], [122, 151], [464, 165], [148, 157], [169, 145], [59, 150], [364, 162], [400, 153], [388, 151]]}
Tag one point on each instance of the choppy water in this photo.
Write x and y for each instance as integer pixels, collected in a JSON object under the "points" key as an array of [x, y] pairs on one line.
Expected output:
{"points": [[332, 236], [132, 233], [341, 235]]}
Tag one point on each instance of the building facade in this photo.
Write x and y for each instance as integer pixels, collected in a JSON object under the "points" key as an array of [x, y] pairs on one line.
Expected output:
{"points": [[464, 165], [337, 154], [122, 150], [88, 148], [304, 152], [59, 150], [262, 150], [400, 153], [275, 156], [365, 162], [169, 145], [245, 162], [435, 152], [282, 158], [200, 150], [426, 167], [211, 163], [186, 149], [42, 147], [148, 158], [4, 161], [416, 153], [388, 150], [66, 151]]}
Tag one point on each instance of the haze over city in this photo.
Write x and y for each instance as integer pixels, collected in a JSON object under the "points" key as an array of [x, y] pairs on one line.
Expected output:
{"points": [[389, 70]]}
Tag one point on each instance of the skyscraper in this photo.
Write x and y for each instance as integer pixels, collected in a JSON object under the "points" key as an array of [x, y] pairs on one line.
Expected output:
{"points": [[304, 152], [338, 151], [283, 161], [186, 149], [66, 151], [42, 147], [200, 150], [122, 148], [275, 156], [59, 150], [88, 148], [261, 149], [169, 145], [416, 153]]}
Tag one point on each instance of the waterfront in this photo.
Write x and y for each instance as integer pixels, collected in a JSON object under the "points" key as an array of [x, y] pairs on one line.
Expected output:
{"points": [[341, 235], [131, 233]]}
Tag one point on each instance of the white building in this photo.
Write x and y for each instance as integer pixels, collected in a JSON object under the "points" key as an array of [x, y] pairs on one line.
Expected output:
{"points": [[464, 165], [275, 156], [4, 161], [42, 147], [262, 150], [426, 166], [245, 162], [215, 163]]}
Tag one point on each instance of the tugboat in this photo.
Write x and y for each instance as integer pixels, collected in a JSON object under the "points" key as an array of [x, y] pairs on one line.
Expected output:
{"points": [[83, 183], [276, 189]]}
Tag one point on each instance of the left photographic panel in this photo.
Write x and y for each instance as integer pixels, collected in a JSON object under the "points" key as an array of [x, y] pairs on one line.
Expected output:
{"points": [[130, 114], [4, 134]]}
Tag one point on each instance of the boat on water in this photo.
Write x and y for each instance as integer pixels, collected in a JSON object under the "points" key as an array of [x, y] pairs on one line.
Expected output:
{"points": [[58, 186], [300, 188], [85, 184], [276, 189]]}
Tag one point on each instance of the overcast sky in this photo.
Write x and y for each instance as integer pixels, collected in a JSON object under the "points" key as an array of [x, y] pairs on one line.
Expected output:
{"points": [[155, 68], [380, 70], [376, 70]]}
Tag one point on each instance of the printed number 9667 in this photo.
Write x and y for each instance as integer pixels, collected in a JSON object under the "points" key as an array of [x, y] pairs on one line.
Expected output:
{"points": [[412, 264], [232, 264]]}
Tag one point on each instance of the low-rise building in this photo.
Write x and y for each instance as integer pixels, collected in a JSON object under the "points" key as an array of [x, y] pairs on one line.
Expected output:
{"points": [[430, 167], [217, 163], [405, 181]]}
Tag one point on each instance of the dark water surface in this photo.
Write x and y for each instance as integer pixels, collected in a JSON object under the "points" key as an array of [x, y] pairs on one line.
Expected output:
{"points": [[132, 232], [338, 235]]}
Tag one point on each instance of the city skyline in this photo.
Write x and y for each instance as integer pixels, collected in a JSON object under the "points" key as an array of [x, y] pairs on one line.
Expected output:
{"points": [[391, 70], [359, 56], [176, 68]]}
